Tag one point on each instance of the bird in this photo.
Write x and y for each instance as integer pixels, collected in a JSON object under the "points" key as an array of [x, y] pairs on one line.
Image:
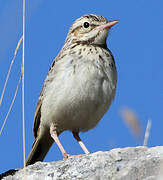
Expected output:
{"points": [[79, 88]]}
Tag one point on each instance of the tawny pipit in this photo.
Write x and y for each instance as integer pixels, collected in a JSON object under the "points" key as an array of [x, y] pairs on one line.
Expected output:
{"points": [[79, 87]]}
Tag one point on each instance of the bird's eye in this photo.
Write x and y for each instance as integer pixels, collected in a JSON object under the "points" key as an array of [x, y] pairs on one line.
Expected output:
{"points": [[86, 24]]}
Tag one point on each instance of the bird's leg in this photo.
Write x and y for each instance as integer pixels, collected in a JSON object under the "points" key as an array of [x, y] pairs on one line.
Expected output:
{"points": [[54, 135], [76, 136]]}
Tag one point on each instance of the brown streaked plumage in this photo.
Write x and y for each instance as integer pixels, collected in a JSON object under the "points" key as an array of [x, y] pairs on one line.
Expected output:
{"points": [[78, 89]]}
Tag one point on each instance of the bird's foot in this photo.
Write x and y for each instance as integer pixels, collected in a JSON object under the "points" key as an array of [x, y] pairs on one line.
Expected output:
{"points": [[66, 155]]}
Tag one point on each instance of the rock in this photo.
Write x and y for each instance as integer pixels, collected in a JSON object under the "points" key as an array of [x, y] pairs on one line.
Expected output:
{"points": [[131, 163]]}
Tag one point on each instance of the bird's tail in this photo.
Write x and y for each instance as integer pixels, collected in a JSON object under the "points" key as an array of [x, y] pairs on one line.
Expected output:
{"points": [[39, 150]]}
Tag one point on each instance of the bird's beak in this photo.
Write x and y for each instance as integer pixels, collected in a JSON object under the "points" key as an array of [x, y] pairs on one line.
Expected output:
{"points": [[108, 25]]}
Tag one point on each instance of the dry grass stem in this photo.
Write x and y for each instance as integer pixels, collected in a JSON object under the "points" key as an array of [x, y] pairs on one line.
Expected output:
{"points": [[9, 71], [147, 131], [22, 71], [13, 100]]}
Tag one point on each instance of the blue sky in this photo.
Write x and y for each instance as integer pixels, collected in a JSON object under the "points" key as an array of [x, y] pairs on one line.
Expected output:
{"points": [[136, 43]]}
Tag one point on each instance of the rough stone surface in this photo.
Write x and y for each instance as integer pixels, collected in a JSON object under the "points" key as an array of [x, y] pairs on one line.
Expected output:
{"points": [[132, 163]]}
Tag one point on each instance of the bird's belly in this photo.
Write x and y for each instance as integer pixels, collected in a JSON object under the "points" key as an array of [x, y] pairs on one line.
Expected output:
{"points": [[79, 104]]}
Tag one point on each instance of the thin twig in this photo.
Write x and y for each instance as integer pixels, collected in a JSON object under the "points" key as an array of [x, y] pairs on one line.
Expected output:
{"points": [[13, 100], [9, 71], [22, 71], [146, 136]]}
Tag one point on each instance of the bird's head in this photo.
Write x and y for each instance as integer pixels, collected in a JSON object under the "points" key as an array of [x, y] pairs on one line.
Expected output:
{"points": [[90, 29]]}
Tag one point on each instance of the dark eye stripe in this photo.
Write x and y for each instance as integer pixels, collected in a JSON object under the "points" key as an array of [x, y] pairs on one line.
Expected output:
{"points": [[93, 25], [78, 27]]}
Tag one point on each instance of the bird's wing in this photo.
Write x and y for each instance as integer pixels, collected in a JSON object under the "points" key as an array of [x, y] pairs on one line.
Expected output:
{"points": [[37, 116]]}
